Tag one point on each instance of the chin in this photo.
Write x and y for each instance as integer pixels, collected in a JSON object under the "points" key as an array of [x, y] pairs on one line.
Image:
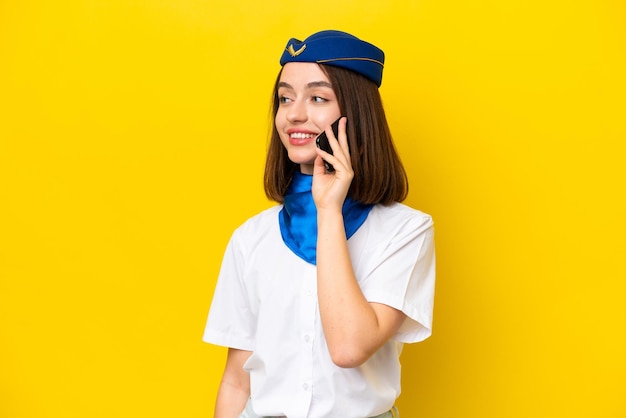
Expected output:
{"points": [[298, 158]]}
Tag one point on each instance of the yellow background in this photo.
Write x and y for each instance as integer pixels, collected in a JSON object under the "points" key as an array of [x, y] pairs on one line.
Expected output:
{"points": [[132, 141]]}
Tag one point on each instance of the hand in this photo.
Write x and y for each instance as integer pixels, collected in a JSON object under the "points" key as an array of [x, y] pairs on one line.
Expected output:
{"points": [[330, 189]]}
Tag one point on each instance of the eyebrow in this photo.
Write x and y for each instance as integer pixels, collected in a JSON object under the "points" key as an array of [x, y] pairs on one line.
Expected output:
{"points": [[310, 85]]}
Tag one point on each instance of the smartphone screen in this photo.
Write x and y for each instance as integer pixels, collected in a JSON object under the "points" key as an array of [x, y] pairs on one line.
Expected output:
{"points": [[322, 143]]}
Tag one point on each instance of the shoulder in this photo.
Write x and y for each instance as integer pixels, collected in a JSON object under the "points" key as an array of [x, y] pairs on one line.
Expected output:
{"points": [[399, 216], [258, 226], [262, 218], [389, 228]]}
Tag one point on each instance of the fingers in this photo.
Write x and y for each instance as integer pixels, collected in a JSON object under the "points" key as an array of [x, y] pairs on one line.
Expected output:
{"points": [[342, 137], [330, 189], [318, 166], [339, 146]]}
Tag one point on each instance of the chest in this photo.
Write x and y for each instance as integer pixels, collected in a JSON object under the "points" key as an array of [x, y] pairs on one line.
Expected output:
{"points": [[277, 278]]}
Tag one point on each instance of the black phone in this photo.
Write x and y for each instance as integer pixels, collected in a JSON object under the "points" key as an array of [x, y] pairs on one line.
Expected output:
{"points": [[322, 143]]}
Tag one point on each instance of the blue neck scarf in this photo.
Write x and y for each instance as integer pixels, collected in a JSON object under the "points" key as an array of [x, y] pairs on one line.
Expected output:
{"points": [[298, 217]]}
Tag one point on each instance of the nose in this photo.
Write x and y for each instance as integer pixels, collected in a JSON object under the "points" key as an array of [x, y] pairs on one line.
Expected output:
{"points": [[297, 112]]}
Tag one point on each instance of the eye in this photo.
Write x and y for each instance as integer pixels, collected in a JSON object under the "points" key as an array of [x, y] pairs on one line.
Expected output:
{"points": [[318, 99], [283, 99]]}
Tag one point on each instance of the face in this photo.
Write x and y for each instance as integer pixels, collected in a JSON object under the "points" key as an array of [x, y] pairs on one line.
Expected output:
{"points": [[307, 105]]}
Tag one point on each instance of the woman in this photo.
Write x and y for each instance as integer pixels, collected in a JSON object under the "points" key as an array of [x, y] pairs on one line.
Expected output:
{"points": [[317, 295]]}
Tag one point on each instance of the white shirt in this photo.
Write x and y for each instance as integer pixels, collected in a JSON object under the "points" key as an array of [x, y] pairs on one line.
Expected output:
{"points": [[266, 302]]}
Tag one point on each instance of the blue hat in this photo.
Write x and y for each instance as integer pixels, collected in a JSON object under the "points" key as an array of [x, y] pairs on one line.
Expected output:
{"points": [[340, 49]]}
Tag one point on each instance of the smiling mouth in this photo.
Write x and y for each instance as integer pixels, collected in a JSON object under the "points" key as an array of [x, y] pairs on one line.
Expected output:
{"points": [[301, 135]]}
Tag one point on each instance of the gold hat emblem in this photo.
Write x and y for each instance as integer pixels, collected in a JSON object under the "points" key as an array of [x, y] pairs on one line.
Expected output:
{"points": [[292, 51]]}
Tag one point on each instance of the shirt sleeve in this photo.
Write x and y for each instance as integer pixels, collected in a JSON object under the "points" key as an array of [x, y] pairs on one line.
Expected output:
{"points": [[231, 322], [403, 276]]}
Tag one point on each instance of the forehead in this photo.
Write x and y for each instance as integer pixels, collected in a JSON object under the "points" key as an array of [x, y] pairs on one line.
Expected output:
{"points": [[302, 73]]}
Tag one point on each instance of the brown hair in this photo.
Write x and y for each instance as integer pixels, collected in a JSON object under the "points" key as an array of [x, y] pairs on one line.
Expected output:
{"points": [[379, 176]]}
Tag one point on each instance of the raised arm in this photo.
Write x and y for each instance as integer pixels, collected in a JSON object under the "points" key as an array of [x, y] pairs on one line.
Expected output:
{"points": [[353, 327]]}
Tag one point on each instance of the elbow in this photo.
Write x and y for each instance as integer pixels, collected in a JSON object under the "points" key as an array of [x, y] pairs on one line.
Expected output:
{"points": [[348, 357]]}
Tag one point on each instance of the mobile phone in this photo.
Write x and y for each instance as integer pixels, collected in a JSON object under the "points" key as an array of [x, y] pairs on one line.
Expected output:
{"points": [[322, 143]]}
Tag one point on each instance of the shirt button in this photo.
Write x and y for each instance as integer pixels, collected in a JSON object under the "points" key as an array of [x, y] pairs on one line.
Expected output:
{"points": [[307, 338], [305, 386], [309, 292]]}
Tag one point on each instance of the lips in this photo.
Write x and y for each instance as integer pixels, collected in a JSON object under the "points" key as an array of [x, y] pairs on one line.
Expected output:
{"points": [[301, 138]]}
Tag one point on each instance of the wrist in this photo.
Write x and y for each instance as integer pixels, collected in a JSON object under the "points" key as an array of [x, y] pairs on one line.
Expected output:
{"points": [[328, 218], [329, 212]]}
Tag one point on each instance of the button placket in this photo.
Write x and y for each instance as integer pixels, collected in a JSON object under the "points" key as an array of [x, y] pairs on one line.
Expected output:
{"points": [[308, 304]]}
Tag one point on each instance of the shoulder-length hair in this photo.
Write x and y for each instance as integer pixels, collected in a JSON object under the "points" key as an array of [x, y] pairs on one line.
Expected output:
{"points": [[379, 176]]}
